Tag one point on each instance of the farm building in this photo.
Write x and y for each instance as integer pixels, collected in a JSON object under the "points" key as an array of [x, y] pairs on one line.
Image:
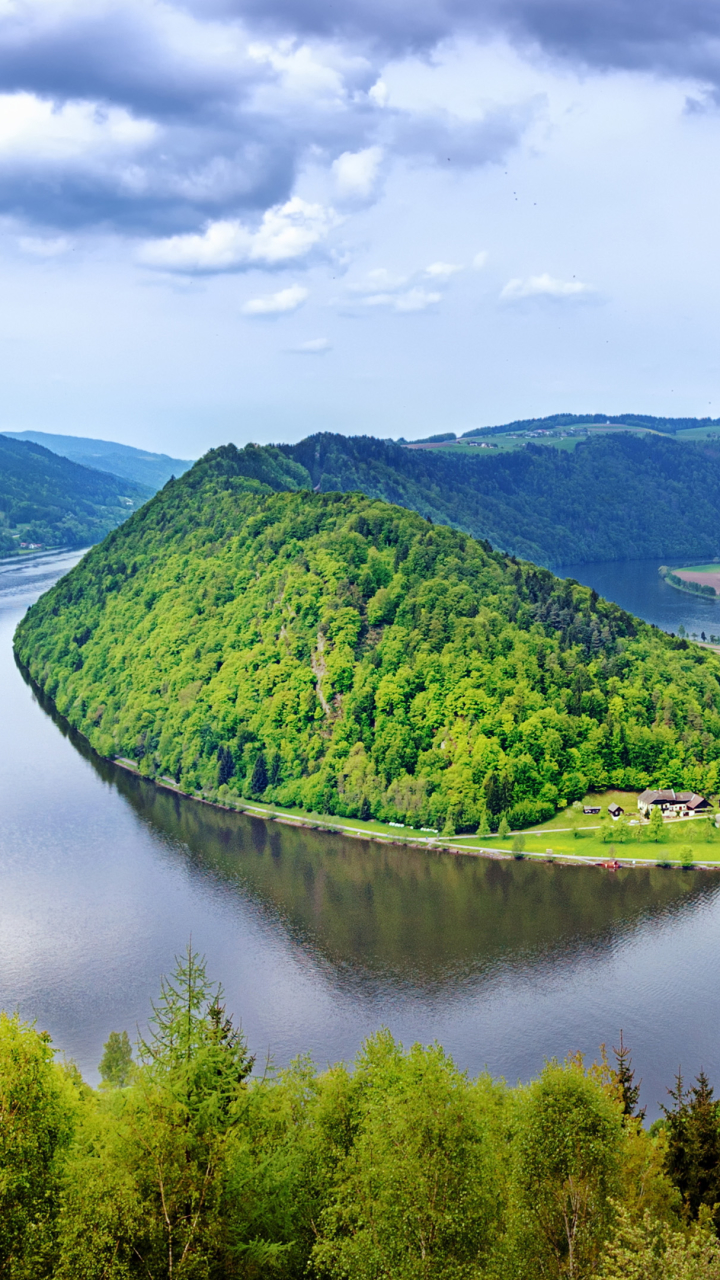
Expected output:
{"points": [[680, 803]]}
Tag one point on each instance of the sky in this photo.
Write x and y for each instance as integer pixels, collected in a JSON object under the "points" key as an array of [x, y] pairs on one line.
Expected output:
{"points": [[256, 219]]}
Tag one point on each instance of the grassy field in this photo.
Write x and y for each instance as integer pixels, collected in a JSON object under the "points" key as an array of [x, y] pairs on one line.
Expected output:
{"points": [[570, 835]]}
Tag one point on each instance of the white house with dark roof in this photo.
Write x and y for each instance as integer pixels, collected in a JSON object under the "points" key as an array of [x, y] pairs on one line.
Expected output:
{"points": [[680, 803]]}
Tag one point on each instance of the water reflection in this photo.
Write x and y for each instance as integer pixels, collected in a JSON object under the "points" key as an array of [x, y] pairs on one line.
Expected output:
{"points": [[320, 939]]}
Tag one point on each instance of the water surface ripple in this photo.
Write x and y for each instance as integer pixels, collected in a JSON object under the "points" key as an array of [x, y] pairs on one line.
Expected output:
{"points": [[319, 939]]}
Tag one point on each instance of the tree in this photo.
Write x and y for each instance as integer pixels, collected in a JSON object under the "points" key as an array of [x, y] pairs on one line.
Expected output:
{"points": [[693, 1150], [38, 1107], [656, 826], [152, 1169], [518, 844], [625, 1080], [650, 1250], [116, 1062], [503, 828], [259, 779], [418, 1192], [567, 1162]]}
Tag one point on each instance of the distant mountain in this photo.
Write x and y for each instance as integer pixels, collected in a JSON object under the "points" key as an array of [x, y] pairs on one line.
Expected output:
{"points": [[614, 497], [49, 501], [151, 469]]}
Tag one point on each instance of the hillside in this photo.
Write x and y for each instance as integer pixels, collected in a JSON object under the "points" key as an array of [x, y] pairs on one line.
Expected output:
{"points": [[51, 501], [616, 498], [344, 655], [149, 469]]}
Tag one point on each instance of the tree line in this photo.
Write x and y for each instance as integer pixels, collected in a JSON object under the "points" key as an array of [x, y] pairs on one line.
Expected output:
{"points": [[193, 1160]]}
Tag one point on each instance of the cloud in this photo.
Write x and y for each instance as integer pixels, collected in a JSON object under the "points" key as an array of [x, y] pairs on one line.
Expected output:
{"points": [[677, 37], [313, 347], [409, 300], [276, 304], [480, 259], [442, 270], [287, 233], [160, 119], [544, 286], [357, 173], [402, 293]]}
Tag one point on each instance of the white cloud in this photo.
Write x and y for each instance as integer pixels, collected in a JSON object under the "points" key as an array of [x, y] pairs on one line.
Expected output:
{"points": [[480, 259], [356, 173], [544, 286], [313, 347], [442, 270], [410, 300], [44, 247], [34, 130], [288, 233], [277, 304]]}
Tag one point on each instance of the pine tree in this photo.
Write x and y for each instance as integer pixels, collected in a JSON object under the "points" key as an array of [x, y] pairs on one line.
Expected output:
{"points": [[503, 828], [259, 779], [625, 1078], [693, 1151]]}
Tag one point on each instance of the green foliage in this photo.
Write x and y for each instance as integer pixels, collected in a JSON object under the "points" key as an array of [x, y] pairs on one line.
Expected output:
{"points": [[419, 1193], [651, 1250], [400, 1166], [693, 1145], [610, 498], [656, 825], [37, 1111], [341, 655], [116, 1062], [49, 500], [567, 1168]]}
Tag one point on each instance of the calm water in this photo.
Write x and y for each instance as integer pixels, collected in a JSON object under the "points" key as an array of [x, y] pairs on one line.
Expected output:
{"points": [[319, 940]]}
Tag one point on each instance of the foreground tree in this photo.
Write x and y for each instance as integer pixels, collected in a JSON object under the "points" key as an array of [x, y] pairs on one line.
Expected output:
{"points": [[693, 1145], [567, 1166], [146, 1185], [38, 1106], [419, 1192]]}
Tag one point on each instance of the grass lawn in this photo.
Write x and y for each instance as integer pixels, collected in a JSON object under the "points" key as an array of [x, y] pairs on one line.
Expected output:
{"points": [[570, 834]]}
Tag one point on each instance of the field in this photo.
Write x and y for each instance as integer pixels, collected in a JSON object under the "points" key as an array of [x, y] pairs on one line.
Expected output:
{"points": [[570, 835]]}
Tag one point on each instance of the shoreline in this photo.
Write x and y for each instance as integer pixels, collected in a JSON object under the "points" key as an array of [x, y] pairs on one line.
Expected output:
{"points": [[355, 830], [430, 843]]}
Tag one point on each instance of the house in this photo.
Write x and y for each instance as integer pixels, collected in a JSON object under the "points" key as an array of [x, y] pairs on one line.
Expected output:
{"points": [[591, 808], [614, 810], [682, 804]]}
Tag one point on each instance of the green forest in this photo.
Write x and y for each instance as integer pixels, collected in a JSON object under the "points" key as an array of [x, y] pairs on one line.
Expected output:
{"points": [[191, 1161], [335, 653], [617, 497], [52, 501], [149, 469]]}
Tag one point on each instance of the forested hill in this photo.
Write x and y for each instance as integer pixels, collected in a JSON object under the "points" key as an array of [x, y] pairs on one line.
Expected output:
{"points": [[150, 469], [48, 500], [341, 654], [612, 498]]}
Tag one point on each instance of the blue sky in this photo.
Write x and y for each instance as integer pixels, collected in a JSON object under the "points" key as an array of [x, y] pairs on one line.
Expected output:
{"points": [[250, 221]]}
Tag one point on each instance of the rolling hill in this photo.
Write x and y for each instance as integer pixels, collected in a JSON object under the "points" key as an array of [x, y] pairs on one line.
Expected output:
{"points": [[50, 501], [245, 636], [152, 470], [612, 498]]}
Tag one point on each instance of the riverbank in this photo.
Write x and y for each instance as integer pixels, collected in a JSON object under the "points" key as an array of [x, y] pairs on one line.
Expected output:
{"points": [[558, 844]]}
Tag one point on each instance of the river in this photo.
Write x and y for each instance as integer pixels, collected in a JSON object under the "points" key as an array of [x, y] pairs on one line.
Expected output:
{"points": [[319, 940]]}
